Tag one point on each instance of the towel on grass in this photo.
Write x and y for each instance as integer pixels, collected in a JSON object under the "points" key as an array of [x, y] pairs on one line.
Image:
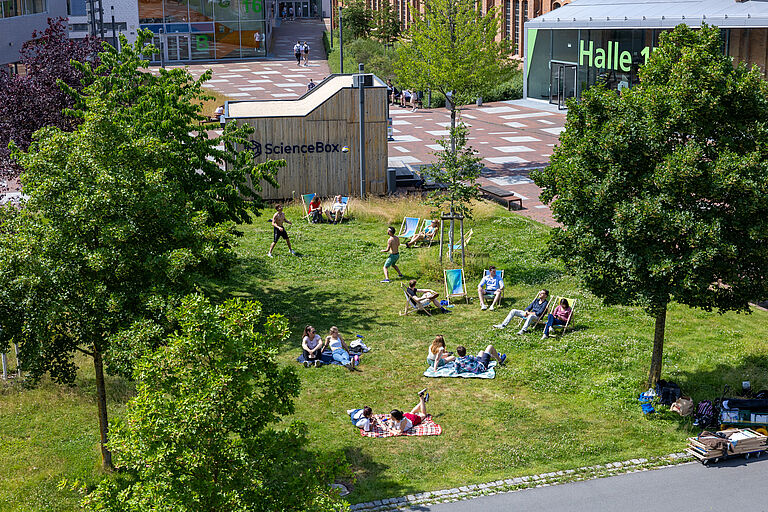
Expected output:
{"points": [[449, 370], [325, 358], [426, 428]]}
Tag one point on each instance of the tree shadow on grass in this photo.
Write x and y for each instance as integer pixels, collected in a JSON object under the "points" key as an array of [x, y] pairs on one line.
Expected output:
{"points": [[304, 304], [366, 469]]}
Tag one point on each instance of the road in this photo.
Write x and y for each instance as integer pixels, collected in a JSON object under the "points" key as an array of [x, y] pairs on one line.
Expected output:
{"points": [[736, 485]]}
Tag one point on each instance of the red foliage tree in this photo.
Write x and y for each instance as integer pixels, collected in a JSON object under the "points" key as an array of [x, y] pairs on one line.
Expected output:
{"points": [[33, 100]]}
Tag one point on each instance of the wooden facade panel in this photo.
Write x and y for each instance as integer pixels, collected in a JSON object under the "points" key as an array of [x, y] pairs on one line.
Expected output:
{"points": [[330, 127]]}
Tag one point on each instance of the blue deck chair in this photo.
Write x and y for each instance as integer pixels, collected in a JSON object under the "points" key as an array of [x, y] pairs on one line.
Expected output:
{"points": [[408, 227], [455, 285], [305, 200], [467, 237], [499, 273]]}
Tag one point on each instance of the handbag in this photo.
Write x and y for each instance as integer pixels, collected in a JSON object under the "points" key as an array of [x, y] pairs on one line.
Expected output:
{"points": [[682, 406]]}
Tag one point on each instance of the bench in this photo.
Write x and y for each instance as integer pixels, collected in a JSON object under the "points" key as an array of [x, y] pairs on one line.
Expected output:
{"points": [[504, 197]]}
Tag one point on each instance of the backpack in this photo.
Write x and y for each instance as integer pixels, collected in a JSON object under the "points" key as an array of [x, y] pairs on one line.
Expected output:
{"points": [[668, 392], [705, 414]]}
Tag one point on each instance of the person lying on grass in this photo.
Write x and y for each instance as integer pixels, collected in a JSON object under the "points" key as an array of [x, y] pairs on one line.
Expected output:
{"points": [[339, 349], [427, 295], [437, 355], [559, 316], [479, 363], [428, 232], [362, 418], [399, 422], [312, 347]]}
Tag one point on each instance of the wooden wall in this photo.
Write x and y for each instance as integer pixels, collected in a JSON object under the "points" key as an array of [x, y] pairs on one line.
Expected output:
{"points": [[750, 46], [334, 122]]}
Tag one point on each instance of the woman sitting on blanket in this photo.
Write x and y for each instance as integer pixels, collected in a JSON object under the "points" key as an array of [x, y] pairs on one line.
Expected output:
{"points": [[429, 231], [312, 347], [399, 423], [437, 355], [339, 349]]}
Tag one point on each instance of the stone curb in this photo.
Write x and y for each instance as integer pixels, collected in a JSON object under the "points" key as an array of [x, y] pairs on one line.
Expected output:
{"points": [[520, 483]]}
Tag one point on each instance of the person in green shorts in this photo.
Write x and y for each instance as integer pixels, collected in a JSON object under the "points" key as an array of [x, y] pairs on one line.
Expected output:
{"points": [[393, 248]]}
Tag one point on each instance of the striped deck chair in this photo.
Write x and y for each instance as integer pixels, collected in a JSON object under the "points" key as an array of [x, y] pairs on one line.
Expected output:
{"points": [[455, 285], [467, 238], [413, 306], [560, 329], [499, 273], [305, 200], [408, 227]]}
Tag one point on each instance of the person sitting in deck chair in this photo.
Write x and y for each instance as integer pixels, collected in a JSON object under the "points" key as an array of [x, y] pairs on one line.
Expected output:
{"points": [[428, 233], [479, 363], [336, 211], [315, 210], [493, 284], [532, 313], [560, 316], [427, 295]]}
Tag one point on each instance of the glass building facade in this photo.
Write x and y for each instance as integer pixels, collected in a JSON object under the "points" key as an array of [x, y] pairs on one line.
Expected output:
{"points": [[208, 30], [13, 8]]}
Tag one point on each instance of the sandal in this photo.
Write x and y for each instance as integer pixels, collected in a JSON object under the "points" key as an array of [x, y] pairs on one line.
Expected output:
{"points": [[421, 393]]}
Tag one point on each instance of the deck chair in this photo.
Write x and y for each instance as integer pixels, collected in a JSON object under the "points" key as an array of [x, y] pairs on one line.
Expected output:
{"points": [[408, 227], [561, 328], [427, 239], [455, 285], [305, 200], [412, 306], [501, 275], [467, 238]]}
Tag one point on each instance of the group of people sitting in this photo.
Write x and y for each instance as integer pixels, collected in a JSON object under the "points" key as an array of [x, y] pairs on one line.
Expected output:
{"points": [[404, 98], [536, 311], [318, 352], [398, 423], [335, 213], [438, 356]]}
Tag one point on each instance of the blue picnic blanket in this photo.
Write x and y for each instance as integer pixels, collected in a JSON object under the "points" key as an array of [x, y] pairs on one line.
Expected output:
{"points": [[449, 370]]}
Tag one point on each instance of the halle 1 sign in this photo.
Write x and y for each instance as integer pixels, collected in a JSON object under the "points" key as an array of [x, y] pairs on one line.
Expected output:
{"points": [[610, 58]]}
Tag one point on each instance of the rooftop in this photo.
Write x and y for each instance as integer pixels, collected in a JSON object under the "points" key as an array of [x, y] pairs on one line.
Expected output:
{"points": [[659, 14]]}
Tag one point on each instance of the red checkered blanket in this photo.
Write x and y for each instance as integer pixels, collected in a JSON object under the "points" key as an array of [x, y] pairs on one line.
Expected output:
{"points": [[426, 428]]}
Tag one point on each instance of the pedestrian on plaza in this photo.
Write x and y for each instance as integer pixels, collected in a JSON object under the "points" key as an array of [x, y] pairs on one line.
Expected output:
{"points": [[297, 52], [283, 13], [311, 85], [257, 39], [290, 13], [305, 53]]}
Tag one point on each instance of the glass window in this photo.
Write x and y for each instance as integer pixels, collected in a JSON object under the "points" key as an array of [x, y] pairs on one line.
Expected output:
{"points": [[151, 11], [201, 10], [252, 37], [203, 47], [77, 7], [227, 40], [175, 11], [252, 10], [225, 10]]}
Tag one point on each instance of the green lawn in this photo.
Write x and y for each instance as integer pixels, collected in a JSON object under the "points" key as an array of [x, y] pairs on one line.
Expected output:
{"points": [[558, 403]]}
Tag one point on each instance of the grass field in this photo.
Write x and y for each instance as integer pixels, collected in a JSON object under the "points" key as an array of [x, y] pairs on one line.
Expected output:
{"points": [[558, 403]]}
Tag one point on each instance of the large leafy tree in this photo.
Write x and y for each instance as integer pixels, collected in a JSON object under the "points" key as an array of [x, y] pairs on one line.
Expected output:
{"points": [[451, 48], [197, 435], [358, 19], [662, 190], [34, 99], [387, 25], [125, 213]]}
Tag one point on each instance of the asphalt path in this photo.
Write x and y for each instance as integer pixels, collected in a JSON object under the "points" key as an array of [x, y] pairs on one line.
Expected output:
{"points": [[737, 485]]}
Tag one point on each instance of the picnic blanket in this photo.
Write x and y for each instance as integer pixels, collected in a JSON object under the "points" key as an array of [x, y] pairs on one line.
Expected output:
{"points": [[449, 370], [426, 428], [325, 358]]}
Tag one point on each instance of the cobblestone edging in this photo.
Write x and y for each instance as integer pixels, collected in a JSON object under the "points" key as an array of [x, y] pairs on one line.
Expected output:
{"points": [[520, 483]]}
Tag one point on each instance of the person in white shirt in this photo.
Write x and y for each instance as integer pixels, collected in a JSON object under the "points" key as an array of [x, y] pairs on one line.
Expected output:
{"points": [[493, 285], [257, 39], [362, 418]]}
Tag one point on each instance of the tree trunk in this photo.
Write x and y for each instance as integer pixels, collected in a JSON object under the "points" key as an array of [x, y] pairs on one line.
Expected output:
{"points": [[658, 347], [453, 121], [101, 399]]}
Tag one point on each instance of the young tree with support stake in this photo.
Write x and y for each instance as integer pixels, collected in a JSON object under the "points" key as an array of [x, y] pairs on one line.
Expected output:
{"points": [[124, 214], [451, 48], [662, 190]]}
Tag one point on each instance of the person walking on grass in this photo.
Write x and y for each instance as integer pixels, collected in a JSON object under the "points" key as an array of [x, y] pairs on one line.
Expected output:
{"points": [[278, 230], [532, 313], [393, 248]]}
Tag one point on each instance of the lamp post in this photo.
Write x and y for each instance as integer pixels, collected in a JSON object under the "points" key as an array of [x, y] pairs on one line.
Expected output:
{"points": [[114, 30], [341, 45]]}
